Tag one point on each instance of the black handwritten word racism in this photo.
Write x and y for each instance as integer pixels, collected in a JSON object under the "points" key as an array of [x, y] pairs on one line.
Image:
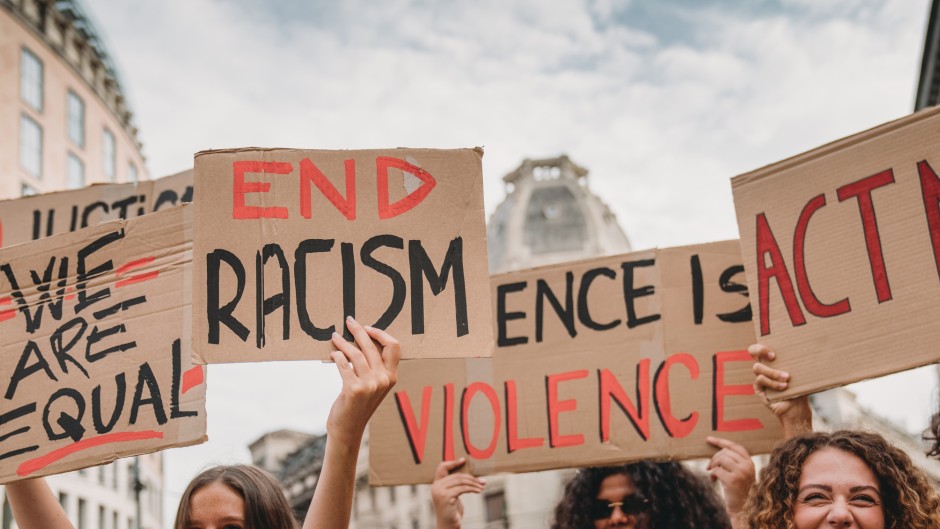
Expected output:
{"points": [[296, 271], [72, 334]]}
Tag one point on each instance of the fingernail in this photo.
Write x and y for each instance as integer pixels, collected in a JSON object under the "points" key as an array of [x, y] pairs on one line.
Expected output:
{"points": [[336, 335], [771, 355], [785, 376], [368, 327], [350, 318]]}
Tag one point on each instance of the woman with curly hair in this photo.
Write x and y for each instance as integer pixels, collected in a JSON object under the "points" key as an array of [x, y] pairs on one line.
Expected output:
{"points": [[640, 495], [644, 495], [842, 479]]}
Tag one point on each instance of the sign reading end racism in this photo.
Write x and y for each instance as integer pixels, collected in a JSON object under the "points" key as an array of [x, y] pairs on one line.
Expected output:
{"points": [[842, 250], [94, 346], [598, 362], [289, 242]]}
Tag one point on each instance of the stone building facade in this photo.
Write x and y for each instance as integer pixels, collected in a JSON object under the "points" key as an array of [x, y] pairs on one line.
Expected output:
{"points": [[64, 116], [65, 123]]}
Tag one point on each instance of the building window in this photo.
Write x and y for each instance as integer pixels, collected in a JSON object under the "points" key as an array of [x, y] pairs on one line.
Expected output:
{"points": [[7, 514], [495, 507], [76, 179], [27, 190], [82, 514], [76, 119], [30, 146], [131, 172], [101, 517], [109, 155], [114, 520], [31, 79]]}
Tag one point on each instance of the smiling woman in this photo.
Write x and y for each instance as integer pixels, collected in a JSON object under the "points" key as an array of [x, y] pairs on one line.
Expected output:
{"points": [[842, 479]]}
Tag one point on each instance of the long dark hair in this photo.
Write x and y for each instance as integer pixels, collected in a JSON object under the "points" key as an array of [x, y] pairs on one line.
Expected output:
{"points": [[265, 504], [678, 497]]}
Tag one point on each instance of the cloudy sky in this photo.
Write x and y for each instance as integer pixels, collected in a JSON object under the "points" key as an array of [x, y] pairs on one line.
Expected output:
{"points": [[662, 100]]}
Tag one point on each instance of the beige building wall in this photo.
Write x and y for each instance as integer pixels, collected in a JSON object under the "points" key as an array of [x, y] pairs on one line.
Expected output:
{"points": [[84, 75], [101, 497]]}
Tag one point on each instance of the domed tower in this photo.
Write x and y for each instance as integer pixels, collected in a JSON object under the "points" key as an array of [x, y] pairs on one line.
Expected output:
{"points": [[550, 216]]}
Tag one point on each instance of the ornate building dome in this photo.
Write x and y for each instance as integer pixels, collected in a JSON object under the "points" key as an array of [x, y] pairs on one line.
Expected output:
{"points": [[549, 215]]}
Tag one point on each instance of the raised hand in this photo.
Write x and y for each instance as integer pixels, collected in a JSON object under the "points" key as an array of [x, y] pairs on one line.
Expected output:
{"points": [[732, 467], [446, 491], [795, 414], [368, 375]]}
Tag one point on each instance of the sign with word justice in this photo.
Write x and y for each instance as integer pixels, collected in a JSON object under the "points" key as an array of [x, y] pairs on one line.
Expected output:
{"points": [[94, 346], [598, 362], [290, 242], [34, 217], [842, 250]]}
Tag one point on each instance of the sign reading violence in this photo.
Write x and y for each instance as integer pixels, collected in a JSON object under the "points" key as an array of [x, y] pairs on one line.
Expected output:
{"points": [[842, 250], [34, 217], [598, 362], [289, 242], [94, 346]]}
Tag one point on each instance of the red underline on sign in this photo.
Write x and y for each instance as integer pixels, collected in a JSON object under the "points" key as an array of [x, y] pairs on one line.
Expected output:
{"points": [[39, 463], [139, 277]]}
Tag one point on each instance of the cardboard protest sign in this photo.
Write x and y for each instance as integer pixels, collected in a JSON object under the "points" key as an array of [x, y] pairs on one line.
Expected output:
{"points": [[290, 242], [94, 346], [34, 217], [598, 362], [842, 250]]}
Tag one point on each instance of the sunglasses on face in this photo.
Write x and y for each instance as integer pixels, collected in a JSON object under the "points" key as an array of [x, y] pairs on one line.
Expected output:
{"points": [[629, 505]]}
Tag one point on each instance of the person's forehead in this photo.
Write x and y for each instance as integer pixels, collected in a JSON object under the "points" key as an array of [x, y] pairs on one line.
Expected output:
{"points": [[615, 487], [832, 466]]}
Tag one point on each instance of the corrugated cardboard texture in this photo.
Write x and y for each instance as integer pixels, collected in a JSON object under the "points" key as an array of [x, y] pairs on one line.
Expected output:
{"points": [[34, 217], [658, 336], [94, 346], [849, 233], [289, 242]]}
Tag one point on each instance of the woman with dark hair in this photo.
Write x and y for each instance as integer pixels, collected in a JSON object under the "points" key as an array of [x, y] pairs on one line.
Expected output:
{"points": [[842, 479], [645, 495], [243, 497], [241, 490]]}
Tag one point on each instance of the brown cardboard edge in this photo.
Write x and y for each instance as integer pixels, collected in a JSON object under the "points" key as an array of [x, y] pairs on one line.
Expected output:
{"points": [[235, 150]]}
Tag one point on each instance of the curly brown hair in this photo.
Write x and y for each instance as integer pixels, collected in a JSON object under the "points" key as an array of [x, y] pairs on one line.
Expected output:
{"points": [[908, 499], [265, 504], [677, 497]]}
